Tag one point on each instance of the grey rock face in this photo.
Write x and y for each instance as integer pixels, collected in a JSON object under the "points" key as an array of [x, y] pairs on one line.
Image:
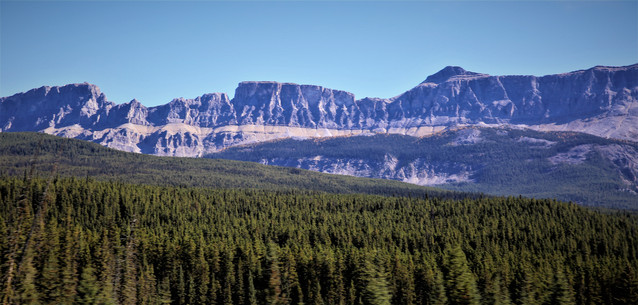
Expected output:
{"points": [[208, 110], [270, 103], [45, 107], [602, 101], [466, 97], [419, 171]]}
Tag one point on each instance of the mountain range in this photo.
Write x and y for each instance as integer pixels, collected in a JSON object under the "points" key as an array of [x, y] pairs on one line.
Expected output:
{"points": [[457, 129], [601, 101]]}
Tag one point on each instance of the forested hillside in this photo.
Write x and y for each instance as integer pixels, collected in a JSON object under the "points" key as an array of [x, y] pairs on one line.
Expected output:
{"points": [[567, 166], [21, 153], [70, 240]]}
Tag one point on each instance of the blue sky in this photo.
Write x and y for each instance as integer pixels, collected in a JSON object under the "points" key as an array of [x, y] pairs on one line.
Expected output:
{"points": [[156, 51]]}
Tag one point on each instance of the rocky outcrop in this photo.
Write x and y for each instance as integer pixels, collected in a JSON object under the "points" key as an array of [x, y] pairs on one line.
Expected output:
{"points": [[566, 165], [602, 101], [418, 171], [45, 107]]}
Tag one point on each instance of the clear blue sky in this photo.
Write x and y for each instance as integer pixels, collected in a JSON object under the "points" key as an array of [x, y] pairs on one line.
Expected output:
{"points": [[156, 51]]}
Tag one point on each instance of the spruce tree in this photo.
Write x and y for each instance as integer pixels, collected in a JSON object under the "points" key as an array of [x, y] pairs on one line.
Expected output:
{"points": [[49, 283], [561, 291], [376, 288], [88, 289], [27, 291], [274, 296], [460, 282]]}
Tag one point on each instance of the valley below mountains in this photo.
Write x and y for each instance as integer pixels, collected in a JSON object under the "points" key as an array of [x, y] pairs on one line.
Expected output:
{"points": [[457, 129]]}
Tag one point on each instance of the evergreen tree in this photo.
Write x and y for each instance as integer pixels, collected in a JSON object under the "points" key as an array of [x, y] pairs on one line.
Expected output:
{"points": [[495, 292], [27, 290], [561, 291], [314, 295], [437, 294], [49, 283], [129, 281], [69, 267], [164, 291], [626, 288], [88, 287], [376, 290], [146, 286], [523, 286], [202, 274], [274, 296], [403, 284], [105, 271], [252, 292], [460, 282]]}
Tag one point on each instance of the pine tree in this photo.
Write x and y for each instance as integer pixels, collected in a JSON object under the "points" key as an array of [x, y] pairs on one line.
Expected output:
{"points": [[105, 271], [146, 290], [495, 293], [252, 292], [129, 281], [273, 296], [437, 294], [376, 289], [17, 238], [561, 291], [164, 291], [180, 286], [202, 274], [227, 276], [27, 290], [460, 282], [70, 277], [524, 286], [626, 288], [49, 283], [403, 284], [314, 295], [88, 287]]}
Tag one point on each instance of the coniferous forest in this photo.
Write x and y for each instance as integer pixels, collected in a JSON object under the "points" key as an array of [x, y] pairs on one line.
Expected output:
{"points": [[82, 240], [68, 240]]}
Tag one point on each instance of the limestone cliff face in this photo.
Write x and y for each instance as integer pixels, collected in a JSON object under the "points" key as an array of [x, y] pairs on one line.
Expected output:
{"points": [[270, 103], [209, 110], [602, 101], [46, 107], [467, 96]]}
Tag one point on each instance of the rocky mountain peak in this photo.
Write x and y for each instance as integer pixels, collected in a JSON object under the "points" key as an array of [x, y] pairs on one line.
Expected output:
{"points": [[81, 91], [47, 106], [135, 102], [448, 73]]}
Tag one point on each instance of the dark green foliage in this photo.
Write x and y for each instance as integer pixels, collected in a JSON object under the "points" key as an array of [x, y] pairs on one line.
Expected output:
{"points": [[460, 285], [27, 292], [375, 288], [118, 243], [88, 287]]}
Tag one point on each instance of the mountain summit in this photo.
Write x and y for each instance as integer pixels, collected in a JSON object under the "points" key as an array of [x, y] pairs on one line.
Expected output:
{"points": [[449, 72], [602, 101]]}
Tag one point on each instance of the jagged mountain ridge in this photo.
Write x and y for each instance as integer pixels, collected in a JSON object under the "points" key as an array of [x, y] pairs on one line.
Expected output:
{"points": [[602, 101]]}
